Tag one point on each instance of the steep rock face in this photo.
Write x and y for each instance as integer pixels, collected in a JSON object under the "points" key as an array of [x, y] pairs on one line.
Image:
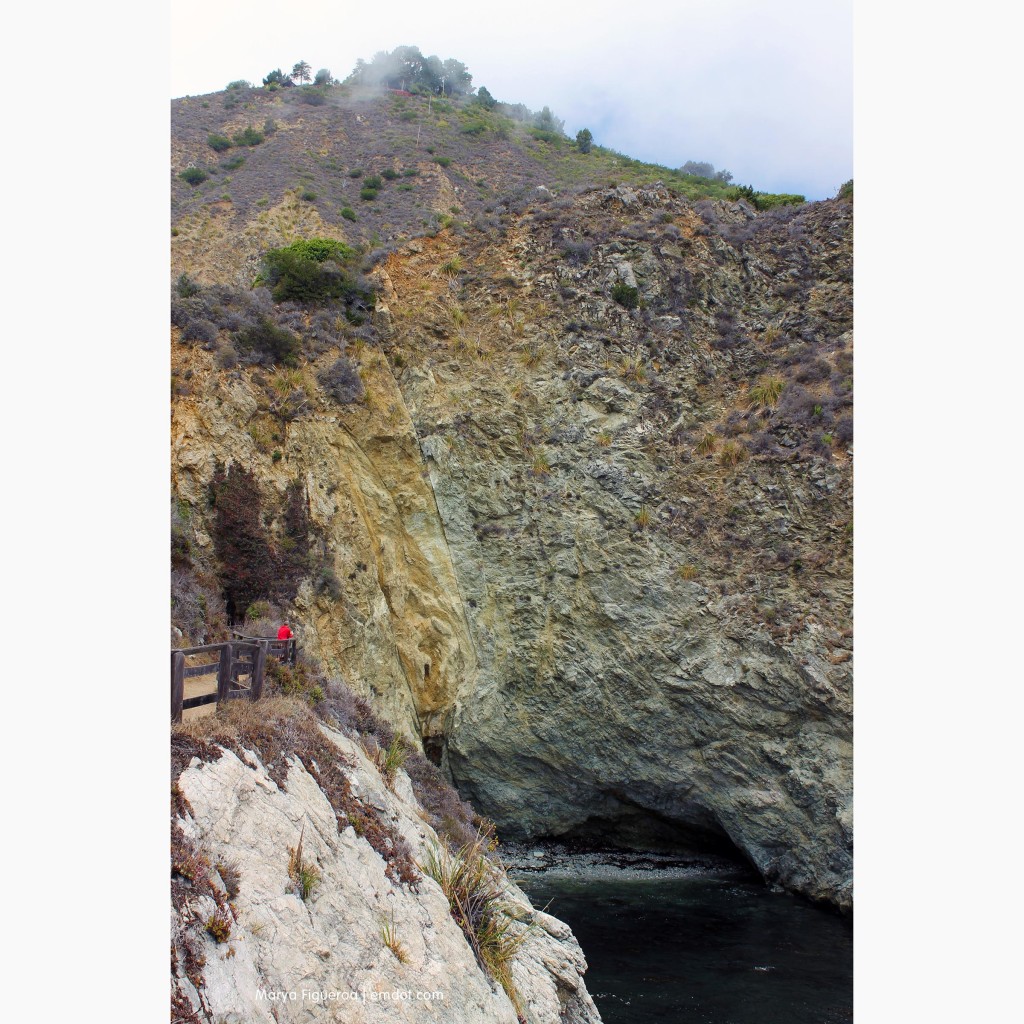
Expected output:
{"points": [[614, 631], [289, 959], [399, 630], [614, 698]]}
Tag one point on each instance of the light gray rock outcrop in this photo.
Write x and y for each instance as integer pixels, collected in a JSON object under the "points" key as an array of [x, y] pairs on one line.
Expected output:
{"points": [[325, 959]]}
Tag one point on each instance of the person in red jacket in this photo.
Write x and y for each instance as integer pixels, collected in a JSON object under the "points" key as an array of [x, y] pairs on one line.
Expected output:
{"points": [[284, 633]]}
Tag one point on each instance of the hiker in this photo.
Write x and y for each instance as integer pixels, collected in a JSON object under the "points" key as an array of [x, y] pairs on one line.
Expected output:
{"points": [[284, 633]]}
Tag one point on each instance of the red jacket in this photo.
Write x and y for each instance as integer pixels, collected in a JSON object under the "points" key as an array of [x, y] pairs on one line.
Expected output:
{"points": [[284, 633]]}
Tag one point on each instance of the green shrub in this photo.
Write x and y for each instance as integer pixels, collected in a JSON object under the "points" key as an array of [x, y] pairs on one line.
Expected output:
{"points": [[186, 287], [368, 194], [355, 173], [218, 142], [389, 173], [249, 137], [769, 200], [444, 161], [373, 181], [310, 270], [320, 250], [234, 163], [541, 135], [763, 200], [307, 195], [193, 175], [348, 213], [625, 295], [846, 190]]}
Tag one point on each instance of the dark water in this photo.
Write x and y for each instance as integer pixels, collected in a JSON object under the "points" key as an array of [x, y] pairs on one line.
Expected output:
{"points": [[714, 949]]}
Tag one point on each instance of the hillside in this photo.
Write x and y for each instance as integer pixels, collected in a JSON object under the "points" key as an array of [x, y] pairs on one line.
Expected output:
{"points": [[557, 469]]}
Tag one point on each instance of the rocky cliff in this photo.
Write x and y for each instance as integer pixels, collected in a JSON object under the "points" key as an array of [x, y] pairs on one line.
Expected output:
{"points": [[590, 515], [278, 914]]}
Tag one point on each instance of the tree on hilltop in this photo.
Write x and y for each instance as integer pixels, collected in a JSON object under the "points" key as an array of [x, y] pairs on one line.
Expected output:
{"points": [[698, 168], [584, 140], [301, 71], [405, 67], [485, 99], [277, 78], [705, 169], [547, 122], [457, 78]]}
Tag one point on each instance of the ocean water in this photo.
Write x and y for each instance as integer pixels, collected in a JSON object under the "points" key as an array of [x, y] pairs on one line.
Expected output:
{"points": [[709, 948]]}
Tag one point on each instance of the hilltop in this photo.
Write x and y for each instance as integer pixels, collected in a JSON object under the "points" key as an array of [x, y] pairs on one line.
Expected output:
{"points": [[430, 161]]}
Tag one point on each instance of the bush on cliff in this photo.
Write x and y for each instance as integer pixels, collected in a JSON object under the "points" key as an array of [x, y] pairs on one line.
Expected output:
{"points": [[312, 270], [268, 342]]}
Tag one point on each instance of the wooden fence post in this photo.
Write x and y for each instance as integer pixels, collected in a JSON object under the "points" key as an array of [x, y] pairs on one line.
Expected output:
{"points": [[177, 684], [259, 661], [224, 673]]}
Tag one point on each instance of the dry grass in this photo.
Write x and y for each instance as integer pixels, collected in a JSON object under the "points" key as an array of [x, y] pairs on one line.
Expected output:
{"points": [[766, 392], [707, 444], [533, 356], [304, 873], [389, 933], [473, 887], [732, 454], [540, 466], [632, 368]]}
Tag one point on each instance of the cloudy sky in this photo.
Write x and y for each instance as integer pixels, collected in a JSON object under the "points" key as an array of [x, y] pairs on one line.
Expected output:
{"points": [[763, 89]]}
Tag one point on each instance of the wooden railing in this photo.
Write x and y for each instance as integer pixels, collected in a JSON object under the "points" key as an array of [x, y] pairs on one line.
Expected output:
{"points": [[239, 667], [283, 650]]}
